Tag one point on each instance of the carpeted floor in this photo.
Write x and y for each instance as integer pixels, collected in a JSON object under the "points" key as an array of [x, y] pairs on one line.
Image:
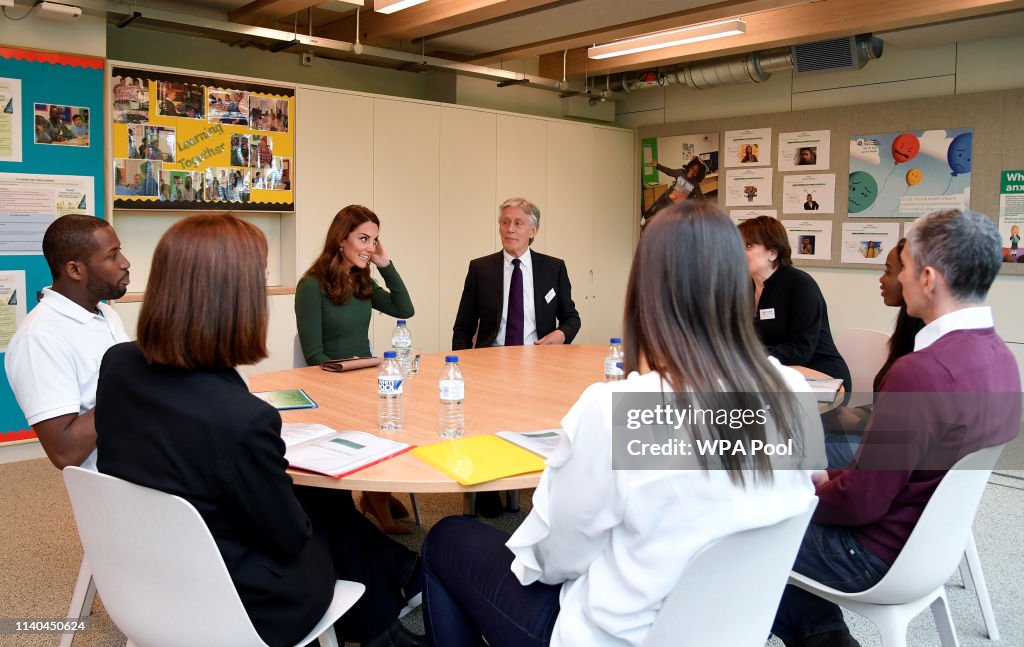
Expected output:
{"points": [[40, 555]]}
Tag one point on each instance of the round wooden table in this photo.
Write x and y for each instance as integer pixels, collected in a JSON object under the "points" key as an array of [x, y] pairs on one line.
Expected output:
{"points": [[524, 388]]}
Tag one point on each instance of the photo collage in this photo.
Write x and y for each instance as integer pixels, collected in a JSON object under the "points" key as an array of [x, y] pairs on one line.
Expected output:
{"points": [[178, 144]]}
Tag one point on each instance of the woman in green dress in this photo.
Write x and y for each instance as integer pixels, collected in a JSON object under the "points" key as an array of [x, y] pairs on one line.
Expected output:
{"points": [[333, 303]]}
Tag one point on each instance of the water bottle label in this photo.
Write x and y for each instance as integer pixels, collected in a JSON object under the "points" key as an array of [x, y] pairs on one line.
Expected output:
{"points": [[453, 390], [389, 386], [611, 368], [401, 343]]}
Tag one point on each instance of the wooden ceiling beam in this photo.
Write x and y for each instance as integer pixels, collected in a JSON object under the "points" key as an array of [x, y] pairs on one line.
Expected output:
{"points": [[784, 27], [425, 19], [259, 12], [702, 14]]}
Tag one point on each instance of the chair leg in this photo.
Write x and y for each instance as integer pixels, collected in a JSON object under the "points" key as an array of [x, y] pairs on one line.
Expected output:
{"points": [[944, 621], [469, 504], [977, 576], [415, 508], [328, 638], [81, 599], [512, 500]]}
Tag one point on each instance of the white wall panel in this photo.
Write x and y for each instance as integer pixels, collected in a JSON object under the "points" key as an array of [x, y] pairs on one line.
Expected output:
{"points": [[522, 165], [468, 204], [406, 148]]}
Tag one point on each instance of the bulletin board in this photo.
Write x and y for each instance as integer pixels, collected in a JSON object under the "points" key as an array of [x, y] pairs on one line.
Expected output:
{"points": [[51, 164], [869, 170], [184, 142]]}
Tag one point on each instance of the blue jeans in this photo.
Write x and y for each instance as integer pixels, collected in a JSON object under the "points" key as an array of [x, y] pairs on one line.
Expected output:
{"points": [[831, 556], [470, 592]]}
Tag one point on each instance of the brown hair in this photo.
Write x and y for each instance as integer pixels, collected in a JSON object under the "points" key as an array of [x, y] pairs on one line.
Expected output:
{"points": [[689, 316], [337, 284], [767, 231], [206, 300]]}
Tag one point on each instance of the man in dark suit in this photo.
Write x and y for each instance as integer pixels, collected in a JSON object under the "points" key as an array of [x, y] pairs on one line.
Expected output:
{"points": [[542, 306]]}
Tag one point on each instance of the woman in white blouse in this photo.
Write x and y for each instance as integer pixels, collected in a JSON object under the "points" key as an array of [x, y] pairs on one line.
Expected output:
{"points": [[602, 548]]}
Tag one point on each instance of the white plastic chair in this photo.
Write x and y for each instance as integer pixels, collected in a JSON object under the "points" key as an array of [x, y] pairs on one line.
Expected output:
{"points": [[158, 569], [864, 352], [729, 592], [933, 550], [81, 599]]}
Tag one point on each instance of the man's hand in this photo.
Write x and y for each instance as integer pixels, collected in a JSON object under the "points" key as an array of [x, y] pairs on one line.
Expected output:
{"points": [[819, 478], [555, 337]]}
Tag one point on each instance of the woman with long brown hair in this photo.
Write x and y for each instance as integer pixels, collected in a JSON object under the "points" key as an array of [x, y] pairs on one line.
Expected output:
{"points": [[174, 414], [602, 547], [333, 303]]}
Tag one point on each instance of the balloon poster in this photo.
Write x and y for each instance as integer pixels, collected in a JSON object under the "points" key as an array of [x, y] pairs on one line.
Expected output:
{"points": [[908, 174]]}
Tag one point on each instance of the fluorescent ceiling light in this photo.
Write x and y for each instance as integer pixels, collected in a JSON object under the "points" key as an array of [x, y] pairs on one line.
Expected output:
{"points": [[391, 6], [668, 38]]}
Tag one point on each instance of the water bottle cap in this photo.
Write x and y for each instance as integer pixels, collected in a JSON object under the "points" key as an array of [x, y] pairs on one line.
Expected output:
{"points": [[615, 340], [618, 365], [401, 322], [451, 359], [389, 354]]}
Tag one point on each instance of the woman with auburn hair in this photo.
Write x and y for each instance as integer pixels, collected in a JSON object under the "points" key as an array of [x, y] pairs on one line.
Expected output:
{"points": [[174, 414], [601, 550], [333, 303], [790, 313]]}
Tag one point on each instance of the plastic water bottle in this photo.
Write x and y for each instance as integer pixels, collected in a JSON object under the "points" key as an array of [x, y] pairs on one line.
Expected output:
{"points": [[452, 420], [613, 361], [401, 341], [389, 394]]}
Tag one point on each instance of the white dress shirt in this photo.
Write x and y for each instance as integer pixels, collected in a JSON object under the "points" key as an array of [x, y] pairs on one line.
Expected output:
{"points": [[618, 541], [973, 318], [53, 360], [529, 309]]}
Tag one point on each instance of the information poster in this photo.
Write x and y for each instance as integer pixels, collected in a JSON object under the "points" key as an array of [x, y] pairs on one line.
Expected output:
{"points": [[805, 151], [810, 239], [748, 187], [677, 168], [10, 120], [12, 304], [909, 174], [739, 215], [186, 142], [813, 192], [1011, 215], [868, 242], [29, 203], [748, 147]]}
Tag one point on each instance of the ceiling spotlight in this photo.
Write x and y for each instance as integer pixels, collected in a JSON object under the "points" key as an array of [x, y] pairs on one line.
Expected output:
{"points": [[669, 38], [391, 6]]}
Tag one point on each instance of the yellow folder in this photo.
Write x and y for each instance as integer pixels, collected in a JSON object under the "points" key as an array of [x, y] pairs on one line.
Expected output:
{"points": [[478, 459]]}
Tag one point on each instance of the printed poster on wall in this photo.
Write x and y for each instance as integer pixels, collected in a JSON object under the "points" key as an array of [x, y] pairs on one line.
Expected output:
{"points": [[29, 203], [813, 192], [187, 142], [677, 168], [1011, 215], [805, 151], [751, 147], [868, 242], [10, 120], [748, 187], [12, 304], [909, 174], [739, 215], [810, 239]]}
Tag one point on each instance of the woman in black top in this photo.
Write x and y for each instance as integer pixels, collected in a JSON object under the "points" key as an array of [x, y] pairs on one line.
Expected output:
{"points": [[790, 314]]}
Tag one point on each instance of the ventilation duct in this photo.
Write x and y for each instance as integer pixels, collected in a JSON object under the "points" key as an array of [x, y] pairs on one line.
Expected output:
{"points": [[838, 54], [750, 68]]}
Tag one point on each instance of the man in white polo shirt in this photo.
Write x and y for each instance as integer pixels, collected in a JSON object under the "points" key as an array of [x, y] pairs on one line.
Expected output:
{"points": [[53, 360]]}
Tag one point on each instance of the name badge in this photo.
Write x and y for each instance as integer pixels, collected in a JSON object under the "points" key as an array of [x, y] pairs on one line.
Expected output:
{"points": [[767, 313], [549, 296]]}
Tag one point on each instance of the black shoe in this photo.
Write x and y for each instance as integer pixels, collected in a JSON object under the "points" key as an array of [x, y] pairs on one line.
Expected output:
{"points": [[397, 636], [488, 504], [839, 638]]}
